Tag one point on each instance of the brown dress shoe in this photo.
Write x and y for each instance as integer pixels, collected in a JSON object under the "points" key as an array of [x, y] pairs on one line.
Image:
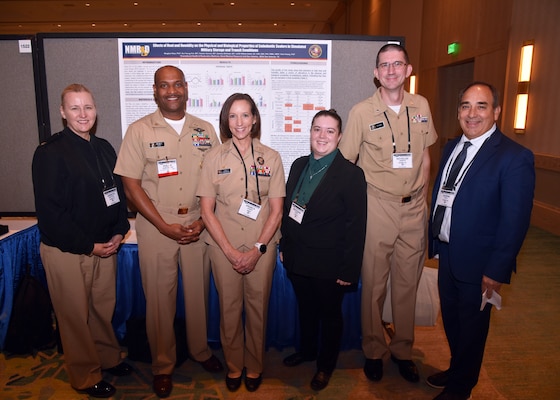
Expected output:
{"points": [[212, 365], [163, 384], [320, 380]]}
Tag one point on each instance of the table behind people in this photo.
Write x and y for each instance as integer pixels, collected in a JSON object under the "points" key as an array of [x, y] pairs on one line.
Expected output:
{"points": [[22, 247]]}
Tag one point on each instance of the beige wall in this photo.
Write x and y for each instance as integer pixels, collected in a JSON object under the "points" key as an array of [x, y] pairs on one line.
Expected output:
{"points": [[538, 20], [490, 34]]}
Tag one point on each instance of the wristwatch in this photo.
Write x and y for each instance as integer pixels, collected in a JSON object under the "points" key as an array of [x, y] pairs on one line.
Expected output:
{"points": [[261, 247]]}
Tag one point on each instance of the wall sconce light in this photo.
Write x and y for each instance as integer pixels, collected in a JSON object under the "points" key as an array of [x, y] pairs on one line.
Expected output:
{"points": [[523, 81], [412, 84]]}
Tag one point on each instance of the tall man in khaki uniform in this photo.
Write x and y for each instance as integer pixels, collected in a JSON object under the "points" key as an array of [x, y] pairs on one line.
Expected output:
{"points": [[389, 134], [160, 162]]}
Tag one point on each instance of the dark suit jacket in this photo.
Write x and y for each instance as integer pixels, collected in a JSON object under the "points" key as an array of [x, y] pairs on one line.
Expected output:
{"points": [[491, 212], [329, 243]]}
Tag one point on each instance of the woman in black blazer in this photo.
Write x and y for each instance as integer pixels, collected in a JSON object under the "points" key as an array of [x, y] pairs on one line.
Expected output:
{"points": [[323, 234]]}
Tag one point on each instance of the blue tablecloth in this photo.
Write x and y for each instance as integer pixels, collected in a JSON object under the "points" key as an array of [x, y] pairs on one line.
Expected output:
{"points": [[22, 248], [16, 252]]}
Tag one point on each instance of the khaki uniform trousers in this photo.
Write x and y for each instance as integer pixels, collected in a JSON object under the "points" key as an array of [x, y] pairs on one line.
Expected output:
{"points": [[243, 346], [161, 258], [395, 244], [83, 294]]}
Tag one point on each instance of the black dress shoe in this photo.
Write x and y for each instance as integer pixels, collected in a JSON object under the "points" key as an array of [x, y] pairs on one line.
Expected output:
{"points": [[320, 380], [121, 369], [163, 384], [212, 365], [445, 395], [101, 389], [233, 384], [373, 368], [296, 359], [408, 369], [253, 384], [438, 380]]}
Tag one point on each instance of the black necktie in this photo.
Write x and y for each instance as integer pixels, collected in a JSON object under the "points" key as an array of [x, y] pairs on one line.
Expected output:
{"points": [[449, 184]]}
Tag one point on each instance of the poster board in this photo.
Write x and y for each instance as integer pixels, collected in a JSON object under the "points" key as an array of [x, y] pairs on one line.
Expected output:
{"points": [[93, 60]]}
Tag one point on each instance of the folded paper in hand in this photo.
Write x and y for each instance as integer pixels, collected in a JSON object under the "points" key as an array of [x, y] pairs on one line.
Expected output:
{"points": [[495, 299]]}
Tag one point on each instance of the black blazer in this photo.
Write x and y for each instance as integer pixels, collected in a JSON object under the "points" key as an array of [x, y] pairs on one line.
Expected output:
{"points": [[329, 243]]}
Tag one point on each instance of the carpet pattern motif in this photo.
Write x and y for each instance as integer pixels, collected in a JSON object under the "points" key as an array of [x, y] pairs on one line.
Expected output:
{"points": [[521, 360], [44, 377]]}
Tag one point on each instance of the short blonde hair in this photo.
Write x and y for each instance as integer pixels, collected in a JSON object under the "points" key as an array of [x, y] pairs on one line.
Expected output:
{"points": [[74, 88]]}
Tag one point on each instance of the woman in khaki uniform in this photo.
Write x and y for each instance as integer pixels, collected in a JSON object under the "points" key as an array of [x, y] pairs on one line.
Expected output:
{"points": [[241, 192]]}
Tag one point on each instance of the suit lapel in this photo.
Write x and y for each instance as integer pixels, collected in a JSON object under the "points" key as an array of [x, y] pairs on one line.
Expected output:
{"points": [[488, 149], [296, 172]]}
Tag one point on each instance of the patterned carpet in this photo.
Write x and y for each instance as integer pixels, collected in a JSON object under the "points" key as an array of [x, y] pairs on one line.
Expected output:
{"points": [[521, 360], [44, 377]]}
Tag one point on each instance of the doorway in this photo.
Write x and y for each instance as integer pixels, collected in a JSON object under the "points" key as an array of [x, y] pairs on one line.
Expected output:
{"points": [[452, 79]]}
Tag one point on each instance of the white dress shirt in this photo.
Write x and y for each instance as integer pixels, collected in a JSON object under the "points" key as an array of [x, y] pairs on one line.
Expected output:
{"points": [[471, 153]]}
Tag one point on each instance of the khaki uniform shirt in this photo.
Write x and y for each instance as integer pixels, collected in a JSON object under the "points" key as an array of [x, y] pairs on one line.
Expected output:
{"points": [[223, 178], [151, 139], [367, 137]]}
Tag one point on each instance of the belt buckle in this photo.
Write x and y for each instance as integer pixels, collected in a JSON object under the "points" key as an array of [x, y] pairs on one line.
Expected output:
{"points": [[406, 199], [182, 210]]}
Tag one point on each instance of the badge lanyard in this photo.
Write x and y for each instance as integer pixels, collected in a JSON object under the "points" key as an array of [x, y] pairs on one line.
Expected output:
{"points": [[99, 169], [304, 175], [393, 136], [110, 193], [465, 169], [297, 211], [461, 175], [245, 170]]}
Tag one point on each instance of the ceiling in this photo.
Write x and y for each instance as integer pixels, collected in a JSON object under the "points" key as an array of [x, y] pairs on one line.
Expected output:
{"points": [[244, 16]]}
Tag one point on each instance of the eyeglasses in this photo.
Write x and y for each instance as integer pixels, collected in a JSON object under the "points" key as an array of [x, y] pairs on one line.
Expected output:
{"points": [[396, 65]]}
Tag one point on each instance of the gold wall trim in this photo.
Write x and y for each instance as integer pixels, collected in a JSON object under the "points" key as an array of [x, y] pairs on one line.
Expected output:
{"points": [[546, 217], [546, 161]]}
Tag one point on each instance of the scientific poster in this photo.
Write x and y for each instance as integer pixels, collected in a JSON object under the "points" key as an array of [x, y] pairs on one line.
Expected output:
{"points": [[289, 79]]}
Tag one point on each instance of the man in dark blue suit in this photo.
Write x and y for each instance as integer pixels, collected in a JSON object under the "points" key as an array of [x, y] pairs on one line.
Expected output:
{"points": [[481, 209]]}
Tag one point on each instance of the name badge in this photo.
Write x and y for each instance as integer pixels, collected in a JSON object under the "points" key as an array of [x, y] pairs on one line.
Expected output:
{"points": [[111, 196], [249, 209], [445, 197], [376, 126], [167, 168], [402, 160], [296, 212]]}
